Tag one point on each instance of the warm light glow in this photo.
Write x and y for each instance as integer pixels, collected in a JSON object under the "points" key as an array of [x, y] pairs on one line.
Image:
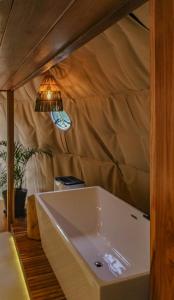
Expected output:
{"points": [[13, 246], [49, 95]]}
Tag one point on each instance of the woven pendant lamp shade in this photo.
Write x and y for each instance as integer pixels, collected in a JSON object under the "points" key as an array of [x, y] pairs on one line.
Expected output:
{"points": [[49, 96]]}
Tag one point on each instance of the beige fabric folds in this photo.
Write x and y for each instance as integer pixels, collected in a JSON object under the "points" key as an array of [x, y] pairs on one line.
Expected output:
{"points": [[105, 88]]}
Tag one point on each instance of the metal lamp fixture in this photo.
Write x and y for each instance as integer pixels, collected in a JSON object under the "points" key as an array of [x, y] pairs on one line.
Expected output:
{"points": [[48, 97]]}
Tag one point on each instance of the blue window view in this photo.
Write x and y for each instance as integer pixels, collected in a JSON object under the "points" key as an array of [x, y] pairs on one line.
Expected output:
{"points": [[61, 119]]}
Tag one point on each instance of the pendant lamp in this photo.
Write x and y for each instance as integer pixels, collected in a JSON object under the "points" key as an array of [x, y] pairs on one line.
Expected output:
{"points": [[48, 97]]}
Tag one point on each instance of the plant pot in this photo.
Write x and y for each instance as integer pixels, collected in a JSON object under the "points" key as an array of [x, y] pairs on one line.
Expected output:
{"points": [[20, 196]]}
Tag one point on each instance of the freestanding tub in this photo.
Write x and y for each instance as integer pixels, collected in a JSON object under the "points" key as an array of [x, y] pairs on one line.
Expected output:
{"points": [[97, 245]]}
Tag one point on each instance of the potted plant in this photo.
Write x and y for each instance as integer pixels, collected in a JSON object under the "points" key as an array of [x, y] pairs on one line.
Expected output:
{"points": [[21, 157]]}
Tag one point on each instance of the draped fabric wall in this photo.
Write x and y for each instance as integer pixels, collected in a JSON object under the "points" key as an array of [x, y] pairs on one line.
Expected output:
{"points": [[105, 87]]}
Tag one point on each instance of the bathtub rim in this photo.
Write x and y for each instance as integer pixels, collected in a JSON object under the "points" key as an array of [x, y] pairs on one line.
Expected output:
{"points": [[97, 187], [76, 254]]}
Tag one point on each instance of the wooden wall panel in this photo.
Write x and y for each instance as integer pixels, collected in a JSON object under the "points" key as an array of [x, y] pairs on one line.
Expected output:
{"points": [[162, 150]]}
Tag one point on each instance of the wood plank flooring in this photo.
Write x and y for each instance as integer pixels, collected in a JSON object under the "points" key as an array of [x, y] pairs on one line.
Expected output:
{"points": [[41, 281]]}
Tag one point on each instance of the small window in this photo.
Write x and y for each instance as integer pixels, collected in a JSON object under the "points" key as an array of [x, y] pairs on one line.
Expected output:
{"points": [[61, 119]]}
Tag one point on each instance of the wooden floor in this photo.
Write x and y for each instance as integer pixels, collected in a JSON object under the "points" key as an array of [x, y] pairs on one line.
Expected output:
{"points": [[41, 281]]}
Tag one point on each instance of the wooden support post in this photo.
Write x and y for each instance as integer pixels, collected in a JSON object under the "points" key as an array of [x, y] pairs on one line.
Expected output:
{"points": [[10, 158], [162, 150]]}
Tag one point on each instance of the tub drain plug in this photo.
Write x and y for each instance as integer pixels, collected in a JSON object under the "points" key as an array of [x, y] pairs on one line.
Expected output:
{"points": [[98, 264]]}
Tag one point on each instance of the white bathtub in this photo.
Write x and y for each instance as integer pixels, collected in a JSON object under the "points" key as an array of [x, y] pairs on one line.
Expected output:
{"points": [[83, 228]]}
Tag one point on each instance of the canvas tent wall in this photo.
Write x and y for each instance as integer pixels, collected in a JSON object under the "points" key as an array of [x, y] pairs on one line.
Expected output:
{"points": [[105, 87]]}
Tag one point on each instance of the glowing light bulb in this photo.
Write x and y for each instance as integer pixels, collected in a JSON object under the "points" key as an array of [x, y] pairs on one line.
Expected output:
{"points": [[49, 95]]}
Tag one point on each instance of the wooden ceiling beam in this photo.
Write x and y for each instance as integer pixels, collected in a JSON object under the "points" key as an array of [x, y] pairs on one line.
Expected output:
{"points": [[82, 21], [108, 20]]}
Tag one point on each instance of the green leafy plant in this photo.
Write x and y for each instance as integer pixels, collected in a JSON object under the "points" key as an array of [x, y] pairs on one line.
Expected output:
{"points": [[21, 157]]}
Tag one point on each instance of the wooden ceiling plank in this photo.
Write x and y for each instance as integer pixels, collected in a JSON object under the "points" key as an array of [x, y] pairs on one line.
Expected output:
{"points": [[83, 21], [81, 11], [29, 22], [5, 9]]}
